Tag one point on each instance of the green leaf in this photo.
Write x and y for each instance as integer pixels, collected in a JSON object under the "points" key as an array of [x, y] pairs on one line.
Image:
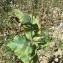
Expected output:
{"points": [[12, 46], [35, 20], [29, 34], [23, 18], [20, 39], [37, 38], [21, 48]]}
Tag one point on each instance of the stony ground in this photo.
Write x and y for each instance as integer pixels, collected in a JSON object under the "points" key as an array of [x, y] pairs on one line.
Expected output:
{"points": [[54, 52]]}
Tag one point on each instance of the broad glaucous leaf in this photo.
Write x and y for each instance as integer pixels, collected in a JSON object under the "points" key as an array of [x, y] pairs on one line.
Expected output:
{"points": [[23, 18], [21, 48]]}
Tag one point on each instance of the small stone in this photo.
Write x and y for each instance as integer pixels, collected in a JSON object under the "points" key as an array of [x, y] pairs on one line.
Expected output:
{"points": [[52, 62], [56, 59]]}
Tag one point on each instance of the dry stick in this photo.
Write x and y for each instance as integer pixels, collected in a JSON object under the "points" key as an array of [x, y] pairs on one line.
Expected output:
{"points": [[32, 8], [51, 7], [42, 11], [5, 35], [20, 5]]}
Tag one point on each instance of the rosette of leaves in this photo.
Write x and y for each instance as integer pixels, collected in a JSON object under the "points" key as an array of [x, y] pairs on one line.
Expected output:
{"points": [[21, 45], [28, 22], [21, 48], [31, 27]]}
